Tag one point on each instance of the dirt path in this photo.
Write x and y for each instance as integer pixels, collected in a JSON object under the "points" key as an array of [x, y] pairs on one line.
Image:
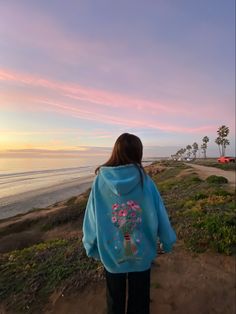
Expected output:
{"points": [[205, 172], [181, 282]]}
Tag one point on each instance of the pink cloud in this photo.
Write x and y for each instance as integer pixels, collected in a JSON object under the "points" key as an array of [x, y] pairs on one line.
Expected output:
{"points": [[78, 92], [138, 122], [96, 105]]}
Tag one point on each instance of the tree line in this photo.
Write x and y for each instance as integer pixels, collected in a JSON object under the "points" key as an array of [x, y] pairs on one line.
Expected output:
{"points": [[190, 151]]}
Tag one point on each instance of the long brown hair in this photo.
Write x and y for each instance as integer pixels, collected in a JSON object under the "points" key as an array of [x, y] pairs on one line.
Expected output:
{"points": [[128, 149]]}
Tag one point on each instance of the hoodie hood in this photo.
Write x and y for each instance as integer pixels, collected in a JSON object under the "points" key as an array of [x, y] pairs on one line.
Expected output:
{"points": [[121, 179]]}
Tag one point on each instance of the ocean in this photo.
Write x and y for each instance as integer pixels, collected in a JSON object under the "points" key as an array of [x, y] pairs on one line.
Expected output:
{"points": [[23, 175], [27, 183], [20, 175]]}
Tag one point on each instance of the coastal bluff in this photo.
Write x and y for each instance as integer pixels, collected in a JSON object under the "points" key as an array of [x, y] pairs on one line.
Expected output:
{"points": [[44, 269]]}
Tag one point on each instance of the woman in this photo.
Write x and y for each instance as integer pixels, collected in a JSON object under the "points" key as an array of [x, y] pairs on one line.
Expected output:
{"points": [[124, 217]]}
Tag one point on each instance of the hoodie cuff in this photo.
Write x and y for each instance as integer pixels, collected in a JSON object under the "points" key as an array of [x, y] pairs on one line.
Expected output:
{"points": [[92, 252], [167, 247]]}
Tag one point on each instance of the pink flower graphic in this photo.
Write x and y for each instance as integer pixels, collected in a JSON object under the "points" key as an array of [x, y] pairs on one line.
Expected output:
{"points": [[125, 212], [115, 206], [114, 219], [130, 203], [134, 205]]}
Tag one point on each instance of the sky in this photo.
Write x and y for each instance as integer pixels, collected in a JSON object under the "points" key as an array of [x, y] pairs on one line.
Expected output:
{"points": [[75, 74]]}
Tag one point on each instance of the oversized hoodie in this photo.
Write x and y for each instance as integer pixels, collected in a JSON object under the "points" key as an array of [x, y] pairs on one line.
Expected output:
{"points": [[123, 220]]}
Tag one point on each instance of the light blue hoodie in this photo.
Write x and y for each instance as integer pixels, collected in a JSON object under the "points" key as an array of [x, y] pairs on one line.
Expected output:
{"points": [[123, 220]]}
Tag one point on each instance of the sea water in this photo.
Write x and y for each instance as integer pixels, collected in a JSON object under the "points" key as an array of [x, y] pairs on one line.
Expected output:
{"points": [[19, 175], [27, 183]]}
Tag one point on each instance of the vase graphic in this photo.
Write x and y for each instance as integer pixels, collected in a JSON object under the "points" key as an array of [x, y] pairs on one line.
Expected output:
{"points": [[127, 218], [129, 245]]}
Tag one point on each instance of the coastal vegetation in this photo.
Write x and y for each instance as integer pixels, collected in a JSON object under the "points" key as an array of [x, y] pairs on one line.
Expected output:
{"points": [[212, 162], [41, 253], [203, 211], [48, 256], [30, 275]]}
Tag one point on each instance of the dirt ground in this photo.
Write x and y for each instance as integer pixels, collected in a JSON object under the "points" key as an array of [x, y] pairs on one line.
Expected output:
{"points": [[205, 172], [181, 283]]}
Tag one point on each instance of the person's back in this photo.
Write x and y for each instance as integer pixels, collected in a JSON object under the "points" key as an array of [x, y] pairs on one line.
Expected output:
{"points": [[127, 216], [124, 217]]}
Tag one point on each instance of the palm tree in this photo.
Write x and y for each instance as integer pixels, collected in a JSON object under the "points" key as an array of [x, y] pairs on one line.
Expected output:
{"points": [[221, 140], [183, 151], [224, 144], [204, 145], [188, 148], [180, 152], [223, 131], [195, 149]]}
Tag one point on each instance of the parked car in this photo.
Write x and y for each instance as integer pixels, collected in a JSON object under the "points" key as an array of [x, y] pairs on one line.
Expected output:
{"points": [[226, 159], [189, 159]]}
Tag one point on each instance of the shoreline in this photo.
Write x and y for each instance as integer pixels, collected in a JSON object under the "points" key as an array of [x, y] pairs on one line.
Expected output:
{"points": [[41, 198], [44, 197]]}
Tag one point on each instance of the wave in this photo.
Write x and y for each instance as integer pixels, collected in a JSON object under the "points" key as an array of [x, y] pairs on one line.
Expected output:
{"points": [[15, 182], [47, 171]]}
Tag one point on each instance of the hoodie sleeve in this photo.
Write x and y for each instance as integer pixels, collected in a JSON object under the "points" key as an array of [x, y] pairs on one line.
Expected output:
{"points": [[165, 232], [89, 229]]}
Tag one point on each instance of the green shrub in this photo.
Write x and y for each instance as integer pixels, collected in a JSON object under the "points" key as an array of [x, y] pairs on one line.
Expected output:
{"points": [[201, 231], [66, 215], [213, 163], [199, 196], [29, 276], [231, 205], [216, 179], [195, 179], [166, 185], [189, 204], [220, 192]]}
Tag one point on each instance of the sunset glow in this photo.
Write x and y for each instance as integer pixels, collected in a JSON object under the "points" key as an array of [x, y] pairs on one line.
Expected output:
{"points": [[74, 76]]}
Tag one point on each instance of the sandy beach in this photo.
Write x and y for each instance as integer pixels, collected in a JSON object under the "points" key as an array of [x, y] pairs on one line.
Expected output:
{"points": [[43, 197]]}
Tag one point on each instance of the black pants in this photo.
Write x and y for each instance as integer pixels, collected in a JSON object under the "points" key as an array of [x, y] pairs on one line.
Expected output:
{"points": [[138, 292]]}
